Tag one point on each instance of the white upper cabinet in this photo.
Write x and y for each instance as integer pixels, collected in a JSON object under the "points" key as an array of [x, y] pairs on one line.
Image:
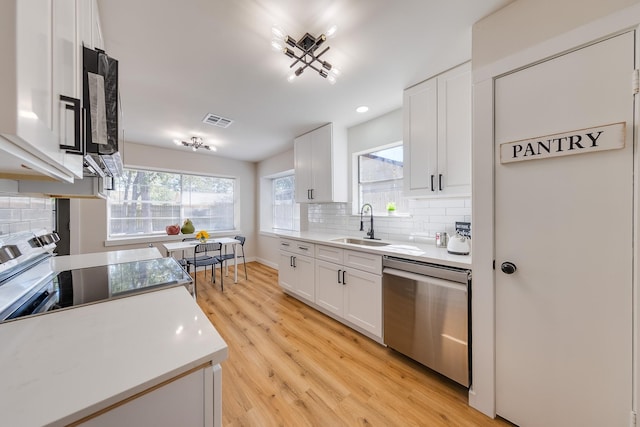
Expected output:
{"points": [[437, 135], [321, 166], [91, 31], [67, 82], [40, 63]]}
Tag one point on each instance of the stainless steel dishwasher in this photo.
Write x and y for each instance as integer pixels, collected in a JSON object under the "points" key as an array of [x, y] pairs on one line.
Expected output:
{"points": [[426, 315]]}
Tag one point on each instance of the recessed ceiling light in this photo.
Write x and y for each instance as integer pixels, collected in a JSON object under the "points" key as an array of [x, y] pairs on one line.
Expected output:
{"points": [[362, 109]]}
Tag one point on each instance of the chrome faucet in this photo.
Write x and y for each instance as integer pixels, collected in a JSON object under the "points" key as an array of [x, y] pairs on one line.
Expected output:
{"points": [[370, 234]]}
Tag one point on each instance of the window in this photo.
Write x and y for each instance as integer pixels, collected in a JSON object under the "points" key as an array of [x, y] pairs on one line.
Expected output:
{"points": [[380, 174], [286, 212], [145, 202]]}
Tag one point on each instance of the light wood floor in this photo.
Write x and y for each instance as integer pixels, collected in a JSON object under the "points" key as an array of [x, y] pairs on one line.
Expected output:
{"points": [[290, 365]]}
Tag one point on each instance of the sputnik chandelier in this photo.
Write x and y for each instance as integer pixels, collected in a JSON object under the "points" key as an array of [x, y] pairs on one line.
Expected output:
{"points": [[306, 55], [195, 143]]}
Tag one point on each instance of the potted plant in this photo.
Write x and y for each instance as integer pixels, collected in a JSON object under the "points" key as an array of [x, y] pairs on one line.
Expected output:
{"points": [[391, 208]]}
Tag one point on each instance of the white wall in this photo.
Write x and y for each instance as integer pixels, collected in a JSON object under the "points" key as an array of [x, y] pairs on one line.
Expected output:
{"points": [[92, 214], [520, 34], [267, 248], [382, 130], [526, 23]]}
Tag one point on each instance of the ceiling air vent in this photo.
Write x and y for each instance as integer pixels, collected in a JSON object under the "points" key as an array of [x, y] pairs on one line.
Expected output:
{"points": [[213, 120]]}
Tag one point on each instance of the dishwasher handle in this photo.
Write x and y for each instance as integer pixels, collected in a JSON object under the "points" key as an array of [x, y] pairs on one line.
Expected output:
{"points": [[421, 278]]}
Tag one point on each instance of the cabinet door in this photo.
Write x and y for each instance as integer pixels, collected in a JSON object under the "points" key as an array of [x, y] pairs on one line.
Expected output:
{"points": [[66, 69], [286, 272], [363, 300], [302, 164], [305, 274], [28, 121], [96, 32], [421, 137], [329, 287], [322, 165], [454, 131], [178, 403], [33, 44]]}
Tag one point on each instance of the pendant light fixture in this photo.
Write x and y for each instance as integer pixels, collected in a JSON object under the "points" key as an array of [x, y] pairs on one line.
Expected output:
{"points": [[195, 143], [305, 54]]}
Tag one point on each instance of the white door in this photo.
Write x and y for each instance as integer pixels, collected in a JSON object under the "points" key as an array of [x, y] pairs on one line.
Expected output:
{"points": [[305, 276], [454, 131], [564, 317], [363, 300], [421, 134], [286, 272], [322, 164], [302, 163], [329, 287]]}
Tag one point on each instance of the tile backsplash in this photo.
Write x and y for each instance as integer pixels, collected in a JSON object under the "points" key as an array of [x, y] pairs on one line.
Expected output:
{"points": [[19, 213], [425, 217]]}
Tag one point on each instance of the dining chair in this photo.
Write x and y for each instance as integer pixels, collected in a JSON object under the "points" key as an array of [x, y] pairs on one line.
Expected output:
{"points": [[205, 261], [185, 261], [232, 255]]}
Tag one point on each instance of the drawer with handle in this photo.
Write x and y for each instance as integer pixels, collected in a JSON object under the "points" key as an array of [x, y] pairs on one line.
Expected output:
{"points": [[297, 247]]}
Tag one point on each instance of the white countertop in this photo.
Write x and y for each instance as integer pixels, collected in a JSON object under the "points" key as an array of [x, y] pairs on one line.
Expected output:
{"points": [[426, 252], [71, 262], [59, 367]]}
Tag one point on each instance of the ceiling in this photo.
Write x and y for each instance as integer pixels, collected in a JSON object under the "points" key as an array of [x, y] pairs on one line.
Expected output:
{"points": [[182, 60]]}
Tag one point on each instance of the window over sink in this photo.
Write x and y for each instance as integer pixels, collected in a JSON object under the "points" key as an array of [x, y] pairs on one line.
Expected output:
{"points": [[144, 202], [380, 177]]}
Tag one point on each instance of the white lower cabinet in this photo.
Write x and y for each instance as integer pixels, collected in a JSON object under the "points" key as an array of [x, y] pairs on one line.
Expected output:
{"points": [[296, 270], [345, 284], [363, 300], [189, 401], [349, 286], [351, 294], [330, 292]]}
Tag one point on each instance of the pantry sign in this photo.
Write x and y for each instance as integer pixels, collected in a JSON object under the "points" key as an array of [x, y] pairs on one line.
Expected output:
{"points": [[607, 137]]}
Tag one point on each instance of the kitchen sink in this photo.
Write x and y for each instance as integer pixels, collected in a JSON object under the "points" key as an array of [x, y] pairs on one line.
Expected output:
{"points": [[362, 242]]}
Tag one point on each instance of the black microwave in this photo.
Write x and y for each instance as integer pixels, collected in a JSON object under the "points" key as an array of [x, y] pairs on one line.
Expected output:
{"points": [[101, 110]]}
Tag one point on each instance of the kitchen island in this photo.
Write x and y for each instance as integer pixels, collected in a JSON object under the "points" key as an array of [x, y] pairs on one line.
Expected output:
{"points": [[149, 359], [70, 262]]}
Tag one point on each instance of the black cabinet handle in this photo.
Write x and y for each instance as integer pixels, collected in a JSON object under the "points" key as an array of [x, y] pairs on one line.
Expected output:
{"points": [[311, 194], [76, 148], [294, 262], [344, 278], [339, 276], [440, 182], [432, 187]]}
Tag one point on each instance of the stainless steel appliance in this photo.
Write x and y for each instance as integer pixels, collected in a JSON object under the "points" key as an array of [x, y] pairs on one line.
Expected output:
{"points": [[426, 315], [100, 101], [29, 286]]}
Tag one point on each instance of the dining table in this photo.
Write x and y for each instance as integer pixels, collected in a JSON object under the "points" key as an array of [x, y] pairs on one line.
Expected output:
{"points": [[190, 244]]}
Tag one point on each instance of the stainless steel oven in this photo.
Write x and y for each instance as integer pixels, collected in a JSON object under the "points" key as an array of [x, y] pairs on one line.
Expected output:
{"points": [[426, 315], [40, 292]]}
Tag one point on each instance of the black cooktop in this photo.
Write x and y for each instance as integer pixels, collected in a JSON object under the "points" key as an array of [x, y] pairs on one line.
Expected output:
{"points": [[92, 284]]}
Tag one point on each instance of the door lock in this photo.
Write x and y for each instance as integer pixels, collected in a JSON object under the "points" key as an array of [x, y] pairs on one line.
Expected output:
{"points": [[508, 267]]}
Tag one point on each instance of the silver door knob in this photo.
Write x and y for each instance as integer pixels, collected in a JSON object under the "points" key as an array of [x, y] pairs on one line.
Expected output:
{"points": [[508, 267]]}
